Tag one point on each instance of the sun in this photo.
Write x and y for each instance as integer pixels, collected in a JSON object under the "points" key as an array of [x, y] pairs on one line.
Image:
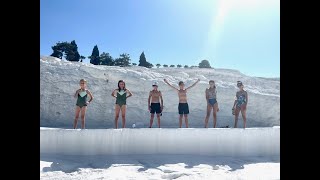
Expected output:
{"points": [[220, 18]]}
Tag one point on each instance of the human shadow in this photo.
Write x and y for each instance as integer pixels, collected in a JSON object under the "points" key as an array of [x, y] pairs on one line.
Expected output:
{"points": [[72, 163]]}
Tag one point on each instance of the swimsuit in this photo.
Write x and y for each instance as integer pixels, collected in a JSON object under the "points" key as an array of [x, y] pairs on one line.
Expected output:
{"points": [[121, 98], [212, 101], [183, 108], [82, 99], [212, 97], [155, 108], [241, 99]]}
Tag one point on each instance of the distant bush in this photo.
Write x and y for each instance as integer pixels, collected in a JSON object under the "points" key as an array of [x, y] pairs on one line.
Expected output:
{"points": [[204, 64]]}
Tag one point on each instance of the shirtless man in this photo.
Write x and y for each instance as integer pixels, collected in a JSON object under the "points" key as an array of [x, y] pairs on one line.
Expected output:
{"points": [[183, 104], [154, 105]]}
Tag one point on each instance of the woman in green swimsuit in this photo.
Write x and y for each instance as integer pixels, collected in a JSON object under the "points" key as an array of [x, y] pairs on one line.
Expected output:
{"points": [[121, 94], [81, 95]]}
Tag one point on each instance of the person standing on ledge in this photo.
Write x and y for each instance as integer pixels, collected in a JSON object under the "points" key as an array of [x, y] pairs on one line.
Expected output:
{"points": [[121, 100], [155, 106], [183, 104], [240, 105], [82, 103], [211, 96]]}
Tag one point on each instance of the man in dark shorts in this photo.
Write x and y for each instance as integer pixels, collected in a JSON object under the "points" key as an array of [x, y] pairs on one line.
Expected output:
{"points": [[183, 104], [154, 105]]}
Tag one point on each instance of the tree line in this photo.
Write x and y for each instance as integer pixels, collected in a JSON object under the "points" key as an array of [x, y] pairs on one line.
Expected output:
{"points": [[70, 52]]}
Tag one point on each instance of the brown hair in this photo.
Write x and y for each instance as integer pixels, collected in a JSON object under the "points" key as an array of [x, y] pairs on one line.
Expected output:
{"points": [[239, 83], [83, 80], [124, 88], [180, 82], [213, 82]]}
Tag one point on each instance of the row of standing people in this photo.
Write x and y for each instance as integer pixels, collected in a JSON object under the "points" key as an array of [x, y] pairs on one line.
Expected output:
{"points": [[155, 103]]}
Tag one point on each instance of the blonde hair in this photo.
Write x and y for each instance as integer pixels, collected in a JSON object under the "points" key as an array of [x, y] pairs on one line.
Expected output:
{"points": [[83, 80]]}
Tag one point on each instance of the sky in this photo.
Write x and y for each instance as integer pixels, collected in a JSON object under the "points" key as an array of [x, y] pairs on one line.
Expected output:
{"points": [[230, 34]]}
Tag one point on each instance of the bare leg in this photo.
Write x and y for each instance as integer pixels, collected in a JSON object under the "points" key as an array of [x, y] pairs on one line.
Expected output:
{"points": [[151, 120], [117, 111], [83, 116], [215, 109], [158, 117], [244, 116], [186, 120], [236, 115], [76, 117], [180, 120], [209, 107], [123, 114]]}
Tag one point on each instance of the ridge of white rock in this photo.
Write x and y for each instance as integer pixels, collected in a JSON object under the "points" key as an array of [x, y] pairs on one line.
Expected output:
{"points": [[193, 141], [59, 79]]}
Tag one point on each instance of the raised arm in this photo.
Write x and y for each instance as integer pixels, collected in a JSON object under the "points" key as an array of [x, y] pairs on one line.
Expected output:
{"points": [[170, 85], [129, 92], [91, 97], [193, 84]]}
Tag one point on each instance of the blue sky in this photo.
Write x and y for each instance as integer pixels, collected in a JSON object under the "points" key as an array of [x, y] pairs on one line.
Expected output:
{"points": [[232, 34]]}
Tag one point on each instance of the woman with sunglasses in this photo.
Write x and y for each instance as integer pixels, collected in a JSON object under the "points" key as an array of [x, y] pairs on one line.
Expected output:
{"points": [[240, 105], [212, 104], [154, 105]]}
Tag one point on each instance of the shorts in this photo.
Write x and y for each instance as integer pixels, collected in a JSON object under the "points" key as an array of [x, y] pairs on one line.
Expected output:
{"points": [[183, 108], [155, 108]]}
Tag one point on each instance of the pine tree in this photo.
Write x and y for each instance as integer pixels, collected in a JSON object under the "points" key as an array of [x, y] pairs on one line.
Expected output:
{"points": [[142, 60], [56, 52], [106, 59], [59, 49], [72, 53], [95, 58], [123, 60]]}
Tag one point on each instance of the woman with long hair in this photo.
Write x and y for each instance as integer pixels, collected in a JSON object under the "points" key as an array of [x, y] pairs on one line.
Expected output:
{"points": [[121, 94]]}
